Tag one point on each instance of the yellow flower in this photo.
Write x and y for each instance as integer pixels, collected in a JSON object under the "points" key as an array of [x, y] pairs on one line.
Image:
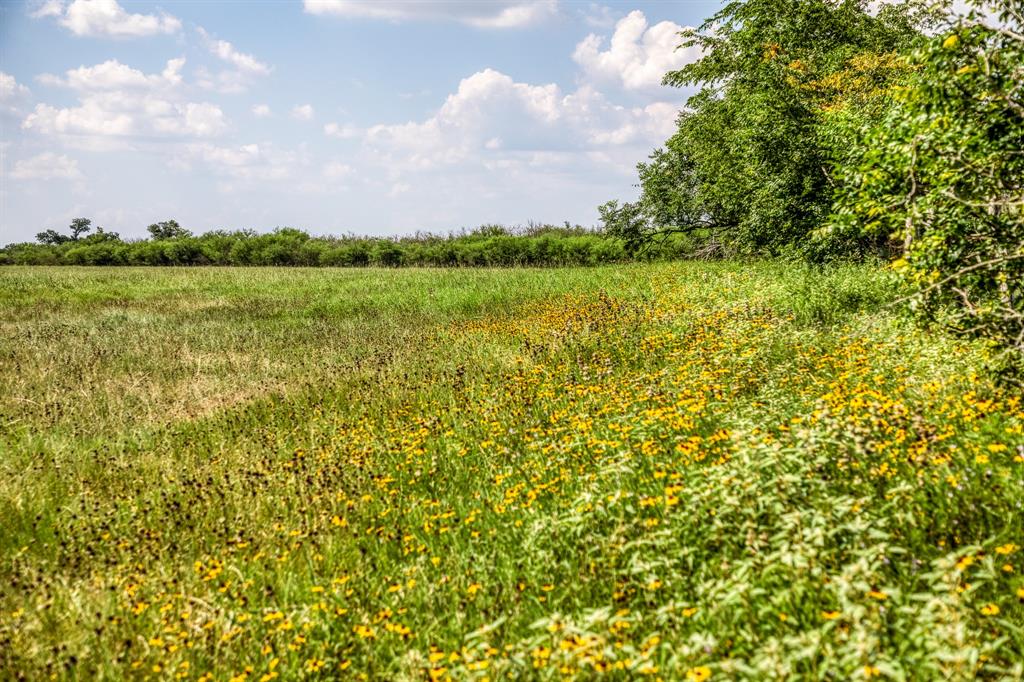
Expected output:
{"points": [[951, 42], [990, 610], [698, 674], [880, 596], [830, 615], [474, 588], [1008, 548]]}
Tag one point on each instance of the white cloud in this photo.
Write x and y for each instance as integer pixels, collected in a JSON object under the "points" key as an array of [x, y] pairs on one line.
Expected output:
{"points": [[245, 165], [46, 166], [491, 119], [342, 132], [49, 8], [261, 111], [303, 112], [479, 14], [118, 101], [11, 89], [225, 51], [245, 67], [598, 16], [113, 75], [638, 55], [106, 18], [12, 94], [335, 170]]}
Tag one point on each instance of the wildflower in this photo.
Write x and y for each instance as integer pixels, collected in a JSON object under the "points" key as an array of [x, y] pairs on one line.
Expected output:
{"points": [[990, 610], [698, 674], [1008, 548], [830, 615]]}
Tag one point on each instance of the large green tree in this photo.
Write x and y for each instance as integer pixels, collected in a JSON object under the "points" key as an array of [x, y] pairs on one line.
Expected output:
{"points": [[750, 166]]}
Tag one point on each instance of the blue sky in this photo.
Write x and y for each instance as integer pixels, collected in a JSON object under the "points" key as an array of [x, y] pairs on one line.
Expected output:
{"points": [[335, 116]]}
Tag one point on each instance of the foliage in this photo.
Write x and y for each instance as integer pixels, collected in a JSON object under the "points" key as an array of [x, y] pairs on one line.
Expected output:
{"points": [[943, 174], [661, 471], [79, 226], [488, 245], [169, 229], [52, 237], [781, 84]]}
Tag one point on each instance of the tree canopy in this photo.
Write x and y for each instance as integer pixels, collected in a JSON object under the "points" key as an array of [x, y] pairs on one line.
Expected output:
{"points": [[751, 163]]}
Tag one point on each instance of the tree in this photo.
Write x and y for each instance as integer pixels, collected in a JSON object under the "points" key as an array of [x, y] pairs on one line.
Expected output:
{"points": [[169, 229], [943, 175], [52, 237], [749, 164], [626, 222], [80, 226]]}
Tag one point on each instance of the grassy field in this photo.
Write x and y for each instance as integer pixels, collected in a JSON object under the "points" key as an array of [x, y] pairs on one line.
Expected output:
{"points": [[679, 471]]}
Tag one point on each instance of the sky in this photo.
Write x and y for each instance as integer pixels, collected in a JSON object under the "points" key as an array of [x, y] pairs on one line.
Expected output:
{"points": [[375, 117]]}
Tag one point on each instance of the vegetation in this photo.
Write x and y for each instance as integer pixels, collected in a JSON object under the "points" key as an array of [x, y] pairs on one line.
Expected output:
{"points": [[750, 166], [944, 174], [832, 131], [671, 470], [488, 245], [666, 469]]}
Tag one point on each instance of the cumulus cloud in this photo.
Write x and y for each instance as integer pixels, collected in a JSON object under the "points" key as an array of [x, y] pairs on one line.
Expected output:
{"points": [[477, 14], [46, 166], [118, 101], [106, 18], [303, 112], [637, 56], [113, 75], [261, 110], [492, 119]]}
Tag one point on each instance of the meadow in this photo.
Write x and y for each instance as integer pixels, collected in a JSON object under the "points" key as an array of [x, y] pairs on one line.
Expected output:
{"points": [[669, 470]]}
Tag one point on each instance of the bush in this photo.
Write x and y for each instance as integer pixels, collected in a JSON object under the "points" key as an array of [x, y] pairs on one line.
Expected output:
{"points": [[943, 175]]}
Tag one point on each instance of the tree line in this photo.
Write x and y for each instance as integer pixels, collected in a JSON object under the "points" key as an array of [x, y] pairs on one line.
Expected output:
{"points": [[488, 245]]}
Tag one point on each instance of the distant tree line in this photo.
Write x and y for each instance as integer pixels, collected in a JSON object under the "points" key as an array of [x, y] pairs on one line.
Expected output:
{"points": [[489, 245]]}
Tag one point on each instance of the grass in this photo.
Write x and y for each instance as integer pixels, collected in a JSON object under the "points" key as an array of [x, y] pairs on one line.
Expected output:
{"points": [[675, 470]]}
